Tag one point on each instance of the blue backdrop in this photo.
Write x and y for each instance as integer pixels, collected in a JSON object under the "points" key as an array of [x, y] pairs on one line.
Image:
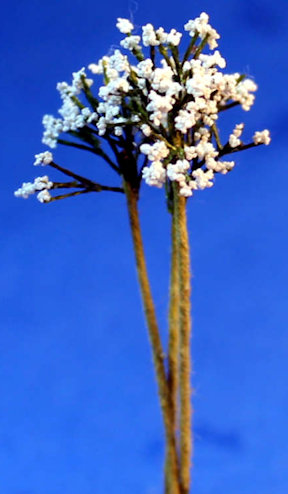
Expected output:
{"points": [[79, 411]]}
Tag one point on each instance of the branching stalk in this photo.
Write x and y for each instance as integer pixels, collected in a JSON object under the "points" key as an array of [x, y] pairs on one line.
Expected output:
{"points": [[85, 182]]}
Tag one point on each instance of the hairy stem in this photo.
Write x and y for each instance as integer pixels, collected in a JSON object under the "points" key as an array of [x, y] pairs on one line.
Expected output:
{"points": [[184, 343], [173, 345], [173, 350], [157, 350]]}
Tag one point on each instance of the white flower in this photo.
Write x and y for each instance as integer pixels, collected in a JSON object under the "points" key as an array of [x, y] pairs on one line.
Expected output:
{"points": [[262, 137], [155, 174], [155, 152], [149, 36], [186, 190], [205, 150], [28, 188], [190, 152], [131, 42], [118, 131], [174, 38], [234, 140], [145, 68], [176, 171], [43, 158], [119, 62], [124, 25], [160, 99], [219, 166], [53, 127], [203, 179], [146, 130], [184, 121], [215, 59], [25, 191], [161, 35], [243, 93], [44, 196], [200, 25], [102, 126], [159, 106], [41, 183]]}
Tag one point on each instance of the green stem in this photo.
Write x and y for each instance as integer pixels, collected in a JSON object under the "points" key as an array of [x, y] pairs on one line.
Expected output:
{"points": [[184, 344], [190, 48], [157, 350], [165, 54], [217, 137], [201, 46]]}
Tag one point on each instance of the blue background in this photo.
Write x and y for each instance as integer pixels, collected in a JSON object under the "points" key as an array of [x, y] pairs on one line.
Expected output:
{"points": [[79, 410]]}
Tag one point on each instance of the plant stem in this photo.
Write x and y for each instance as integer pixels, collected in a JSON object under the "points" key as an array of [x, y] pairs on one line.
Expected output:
{"points": [[173, 345], [173, 350], [157, 350], [184, 344]]}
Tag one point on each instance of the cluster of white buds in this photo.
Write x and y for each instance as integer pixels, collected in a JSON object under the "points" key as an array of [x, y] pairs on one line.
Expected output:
{"points": [[200, 27], [74, 115], [43, 158], [42, 184], [262, 137], [234, 140], [163, 106]]}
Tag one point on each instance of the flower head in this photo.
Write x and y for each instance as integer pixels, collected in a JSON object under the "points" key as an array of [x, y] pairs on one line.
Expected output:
{"points": [[159, 109], [43, 158], [42, 184], [124, 25]]}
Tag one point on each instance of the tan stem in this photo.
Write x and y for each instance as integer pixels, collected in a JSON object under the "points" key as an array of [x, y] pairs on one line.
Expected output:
{"points": [[157, 351], [184, 344], [174, 327]]}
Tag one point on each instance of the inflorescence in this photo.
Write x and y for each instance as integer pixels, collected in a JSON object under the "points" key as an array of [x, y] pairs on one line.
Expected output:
{"points": [[162, 108]]}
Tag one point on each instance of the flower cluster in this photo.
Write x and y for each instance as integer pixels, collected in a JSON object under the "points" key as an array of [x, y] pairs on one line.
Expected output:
{"points": [[73, 115], [42, 184], [43, 158], [161, 102]]}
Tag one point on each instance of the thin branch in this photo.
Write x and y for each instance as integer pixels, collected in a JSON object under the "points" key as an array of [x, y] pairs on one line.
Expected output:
{"points": [[217, 137], [95, 150], [190, 48], [175, 55], [164, 53], [88, 94], [201, 46], [145, 162], [85, 181], [71, 194], [228, 150], [152, 55], [67, 185], [228, 106], [109, 188], [76, 145]]}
